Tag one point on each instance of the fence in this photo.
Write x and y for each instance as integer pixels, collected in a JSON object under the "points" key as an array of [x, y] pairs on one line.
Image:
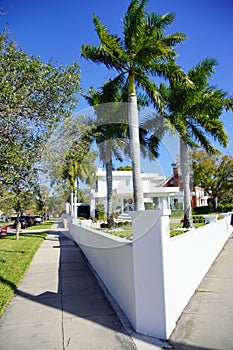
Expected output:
{"points": [[153, 277]]}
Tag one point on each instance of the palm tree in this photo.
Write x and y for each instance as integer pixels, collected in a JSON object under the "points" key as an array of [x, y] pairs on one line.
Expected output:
{"points": [[109, 135], [111, 132], [78, 165], [195, 114], [145, 51]]}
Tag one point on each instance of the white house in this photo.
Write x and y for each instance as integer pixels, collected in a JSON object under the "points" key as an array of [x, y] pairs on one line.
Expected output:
{"points": [[153, 190]]}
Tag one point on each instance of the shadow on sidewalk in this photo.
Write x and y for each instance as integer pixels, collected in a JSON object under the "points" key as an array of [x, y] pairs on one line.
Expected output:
{"points": [[84, 304]]}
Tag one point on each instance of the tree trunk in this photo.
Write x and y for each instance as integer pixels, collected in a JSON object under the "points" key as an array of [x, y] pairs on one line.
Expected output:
{"points": [[215, 201], [75, 198], [71, 203], [18, 226], [110, 218], [135, 151], [185, 172]]}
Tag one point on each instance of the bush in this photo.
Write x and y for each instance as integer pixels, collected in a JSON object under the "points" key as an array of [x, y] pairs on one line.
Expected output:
{"points": [[100, 211], [198, 219], [224, 208], [203, 210], [126, 223], [149, 206], [103, 225], [120, 224]]}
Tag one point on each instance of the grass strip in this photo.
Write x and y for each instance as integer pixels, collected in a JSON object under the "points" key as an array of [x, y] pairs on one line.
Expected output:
{"points": [[46, 226], [15, 258]]}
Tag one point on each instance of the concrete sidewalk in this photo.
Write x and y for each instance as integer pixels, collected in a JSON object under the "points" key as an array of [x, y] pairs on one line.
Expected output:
{"points": [[207, 321], [60, 305]]}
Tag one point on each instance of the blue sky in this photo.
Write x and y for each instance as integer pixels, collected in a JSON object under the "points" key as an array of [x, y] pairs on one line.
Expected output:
{"points": [[57, 29]]}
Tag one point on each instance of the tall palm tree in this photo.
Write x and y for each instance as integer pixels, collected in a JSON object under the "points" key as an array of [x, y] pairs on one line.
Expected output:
{"points": [[109, 132], [143, 52], [78, 165], [195, 114]]}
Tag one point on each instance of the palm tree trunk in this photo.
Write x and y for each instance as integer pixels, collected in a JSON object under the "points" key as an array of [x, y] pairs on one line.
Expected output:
{"points": [[71, 203], [135, 151], [110, 218], [75, 198], [185, 171]]}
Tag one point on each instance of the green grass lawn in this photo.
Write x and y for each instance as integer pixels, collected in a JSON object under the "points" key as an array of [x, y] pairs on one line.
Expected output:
{"points": [[46, 225], [124, 232], [15, 258]]}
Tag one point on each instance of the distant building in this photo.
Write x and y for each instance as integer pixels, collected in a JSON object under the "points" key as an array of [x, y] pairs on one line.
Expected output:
{"points": [[198, 196], [154, 191]]}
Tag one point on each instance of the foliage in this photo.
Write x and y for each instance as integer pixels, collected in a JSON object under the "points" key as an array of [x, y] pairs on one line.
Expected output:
{"points": [[100, 211], [198, 218], [214, 174], [225, 208], [227, 197], [143, 52], [149, 206], [67, 154], [203, 210], [35, 96], [125, 168], [15, 257], [194, 113]]}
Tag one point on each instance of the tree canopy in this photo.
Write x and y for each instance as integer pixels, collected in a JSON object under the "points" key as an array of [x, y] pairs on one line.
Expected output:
{"points": [[35, 97], [214, 173]]}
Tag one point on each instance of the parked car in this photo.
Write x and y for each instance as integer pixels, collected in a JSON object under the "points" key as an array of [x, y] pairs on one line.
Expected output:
{"points": [[25, 221], [38, 219]]}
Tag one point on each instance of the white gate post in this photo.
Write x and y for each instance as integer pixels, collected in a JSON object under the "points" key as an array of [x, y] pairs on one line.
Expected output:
{"points": [[150, 233]]}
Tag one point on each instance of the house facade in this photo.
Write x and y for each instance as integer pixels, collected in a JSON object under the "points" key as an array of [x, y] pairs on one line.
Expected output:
{"points": [[154, 191], [198, 197]]}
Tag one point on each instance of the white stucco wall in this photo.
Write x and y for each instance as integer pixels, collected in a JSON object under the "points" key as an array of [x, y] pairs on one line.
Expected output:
{"points": [[153, 277], [111, 258]]}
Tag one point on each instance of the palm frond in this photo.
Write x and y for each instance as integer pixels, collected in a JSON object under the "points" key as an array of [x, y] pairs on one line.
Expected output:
{"points": [[109, 52], [150, 89], [133, 20]]}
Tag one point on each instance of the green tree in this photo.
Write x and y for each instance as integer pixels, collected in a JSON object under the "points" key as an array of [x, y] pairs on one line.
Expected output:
{"points": [[109, 135], [35, 96], [78, 165], [214, 174], [195, 114], [145, 51]]}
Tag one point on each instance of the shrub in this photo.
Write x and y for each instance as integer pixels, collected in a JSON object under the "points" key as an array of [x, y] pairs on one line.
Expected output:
{"points": [[198, 219], [203, 210], [120, 224], [149, 206], [100, 211], [126, 223], [224, 208], [103, 225]]}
